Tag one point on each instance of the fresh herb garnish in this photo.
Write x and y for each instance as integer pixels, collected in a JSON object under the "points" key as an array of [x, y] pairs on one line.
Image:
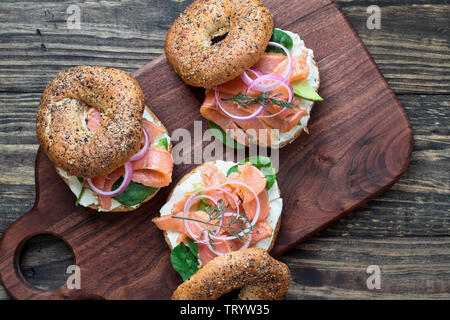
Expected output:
{"points": [[236, 225], [282, 38], [184, 259], [83, 189], [263, 164], [244, 100], [134, 193]]}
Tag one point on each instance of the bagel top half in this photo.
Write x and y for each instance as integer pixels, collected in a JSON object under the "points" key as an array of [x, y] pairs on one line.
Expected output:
{"points": [[61, 127], [247, 26]]}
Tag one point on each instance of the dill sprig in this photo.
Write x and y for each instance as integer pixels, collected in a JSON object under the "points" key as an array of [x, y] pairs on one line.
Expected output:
{"points": [[266, 98], [236, 226]]}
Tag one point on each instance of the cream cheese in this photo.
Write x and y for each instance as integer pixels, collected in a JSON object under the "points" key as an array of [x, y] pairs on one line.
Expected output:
{"points": [[313, 79]]}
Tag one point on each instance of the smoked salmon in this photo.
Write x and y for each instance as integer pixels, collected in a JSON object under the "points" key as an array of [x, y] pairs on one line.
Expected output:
{"points": [[232, 196], [154, 169], [269, 63]]}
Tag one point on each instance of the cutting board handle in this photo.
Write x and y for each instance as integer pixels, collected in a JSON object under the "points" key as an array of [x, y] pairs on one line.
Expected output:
{"points": [[11, 245]]}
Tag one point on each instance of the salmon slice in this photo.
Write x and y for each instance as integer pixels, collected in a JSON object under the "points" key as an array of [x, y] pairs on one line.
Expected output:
{"points": [[154, 169], [269, 61], [264, 207], [93, 118], [300, 69], [250, 175], [233, 87], [211, 175], [254, 128], [261, 231], [152, 129], [286, 123], [222, 246], [210, 111], [106, 183], [167, 223]]}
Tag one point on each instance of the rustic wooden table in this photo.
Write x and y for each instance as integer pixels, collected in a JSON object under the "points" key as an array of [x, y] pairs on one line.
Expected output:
{"points": [[405, 231]]}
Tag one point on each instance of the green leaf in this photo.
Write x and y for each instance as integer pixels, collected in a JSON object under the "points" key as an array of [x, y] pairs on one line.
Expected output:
{"points": [[303, 89], [263, 164], [134, 194], [81, 192], [270, 175], [282, 38], [222, 136], [193, 247], [163, 143], [185, 259]]}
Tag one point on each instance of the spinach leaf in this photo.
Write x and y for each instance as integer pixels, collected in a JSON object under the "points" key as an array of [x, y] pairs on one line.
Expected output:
{"points": [[184, 259], [282, 38], [263, 164], [163, 143], [222, 136], [193, 247], [134, 194]]}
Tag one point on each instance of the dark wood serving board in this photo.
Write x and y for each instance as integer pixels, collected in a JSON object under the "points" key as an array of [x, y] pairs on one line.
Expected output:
{"points": [[359, 144]]}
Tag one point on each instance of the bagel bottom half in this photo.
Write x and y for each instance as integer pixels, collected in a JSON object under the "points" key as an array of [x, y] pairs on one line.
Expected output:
{"points": [[186, 185], [254, 271]]}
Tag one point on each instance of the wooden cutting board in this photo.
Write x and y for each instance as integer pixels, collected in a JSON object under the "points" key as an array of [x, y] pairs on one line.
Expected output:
{"points": [[360, 142]]}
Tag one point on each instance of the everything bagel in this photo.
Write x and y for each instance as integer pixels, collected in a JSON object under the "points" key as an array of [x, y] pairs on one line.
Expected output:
{"points": [[189, 48], [61, 126], [259, 275]]}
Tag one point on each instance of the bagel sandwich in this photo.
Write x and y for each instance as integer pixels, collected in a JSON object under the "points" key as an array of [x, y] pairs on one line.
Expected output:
{"points": [[214, 191], [288, 122], [105, 143], [261, 82]]}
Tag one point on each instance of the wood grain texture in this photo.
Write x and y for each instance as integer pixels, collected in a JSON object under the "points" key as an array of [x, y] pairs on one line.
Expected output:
{"points": [[412, 56]]}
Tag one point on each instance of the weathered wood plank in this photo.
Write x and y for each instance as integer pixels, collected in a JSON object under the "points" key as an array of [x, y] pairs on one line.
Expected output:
{"points": [[335, 268], [128, 34]]}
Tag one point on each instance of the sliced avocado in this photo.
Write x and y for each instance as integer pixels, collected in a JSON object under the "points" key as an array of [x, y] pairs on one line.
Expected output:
{"points": [[303, 89]]}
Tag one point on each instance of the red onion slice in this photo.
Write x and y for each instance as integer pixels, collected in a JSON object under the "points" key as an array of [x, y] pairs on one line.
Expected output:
{"points": [[126, 181], [144, 149], [187, 206], [234, 117], [247, 80], [195, 197]]}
